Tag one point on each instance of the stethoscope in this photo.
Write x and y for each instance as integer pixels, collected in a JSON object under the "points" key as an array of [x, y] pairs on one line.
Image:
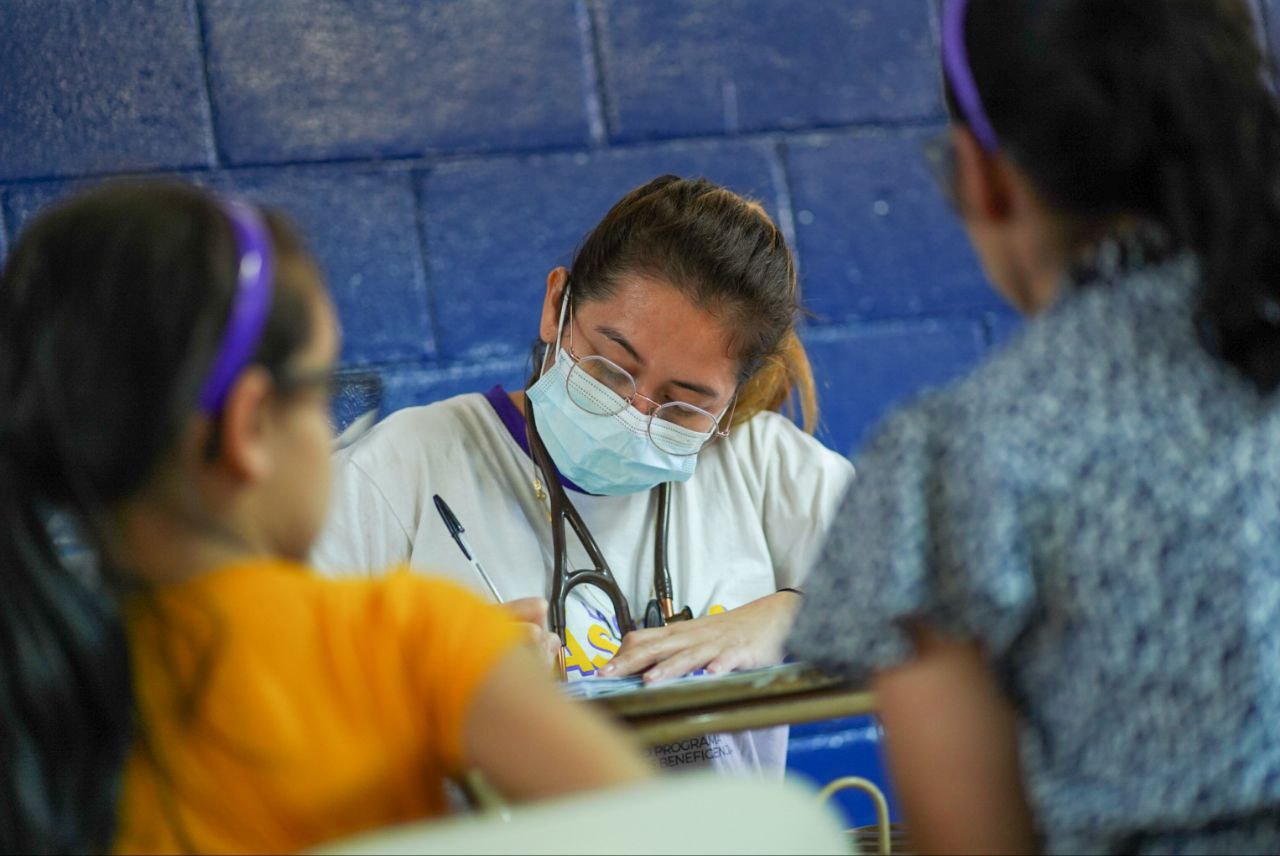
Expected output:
{"points": [[659, 612]]}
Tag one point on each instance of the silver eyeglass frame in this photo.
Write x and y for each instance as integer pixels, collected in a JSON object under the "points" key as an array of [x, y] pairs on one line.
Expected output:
{"points": [[716, 433]]}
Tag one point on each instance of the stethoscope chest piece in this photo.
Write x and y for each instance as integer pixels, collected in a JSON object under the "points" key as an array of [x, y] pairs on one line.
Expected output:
{"points": [[654, 616]]}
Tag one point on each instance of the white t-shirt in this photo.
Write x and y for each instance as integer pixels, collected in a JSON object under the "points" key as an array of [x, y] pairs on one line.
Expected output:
{"points": [[748, 522]]}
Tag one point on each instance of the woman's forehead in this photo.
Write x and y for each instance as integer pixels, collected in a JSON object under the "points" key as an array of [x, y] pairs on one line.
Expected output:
{"points": [[669, 332], [635, 295]]}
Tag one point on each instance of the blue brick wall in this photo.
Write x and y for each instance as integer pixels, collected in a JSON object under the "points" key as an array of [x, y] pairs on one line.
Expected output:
{"points": [[102, 87], [442, 156], [708, 67], [329, 80]]}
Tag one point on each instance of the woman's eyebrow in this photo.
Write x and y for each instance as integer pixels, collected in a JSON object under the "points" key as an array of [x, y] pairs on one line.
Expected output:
{"points": [[621, 340], [705, 391], [615, 336]]}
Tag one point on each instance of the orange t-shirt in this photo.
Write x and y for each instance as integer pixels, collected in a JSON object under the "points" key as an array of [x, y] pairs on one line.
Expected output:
{"points": [[279, 710]]}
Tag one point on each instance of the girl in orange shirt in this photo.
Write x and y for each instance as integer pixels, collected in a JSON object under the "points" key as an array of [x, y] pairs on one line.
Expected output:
{"points": [[165, 361]]}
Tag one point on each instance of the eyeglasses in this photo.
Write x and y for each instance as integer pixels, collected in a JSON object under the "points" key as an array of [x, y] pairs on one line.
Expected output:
{"points": [[940, 158], [355, 400], [668, 425]]}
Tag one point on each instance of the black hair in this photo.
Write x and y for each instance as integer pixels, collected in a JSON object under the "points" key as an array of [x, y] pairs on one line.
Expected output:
{"points": [[111, 308], [727, 255], [1152, 111]]}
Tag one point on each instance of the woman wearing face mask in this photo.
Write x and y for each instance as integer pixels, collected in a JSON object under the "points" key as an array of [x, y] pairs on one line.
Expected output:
{"points": [[1061, 572], [664, 349]]}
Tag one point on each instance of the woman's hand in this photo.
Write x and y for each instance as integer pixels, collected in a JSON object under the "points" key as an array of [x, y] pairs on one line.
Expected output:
{"points": [[744, 638], [532, 612]]}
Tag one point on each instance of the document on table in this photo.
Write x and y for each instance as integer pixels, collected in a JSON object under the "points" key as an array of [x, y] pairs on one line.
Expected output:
{"points": [[593, 688]]}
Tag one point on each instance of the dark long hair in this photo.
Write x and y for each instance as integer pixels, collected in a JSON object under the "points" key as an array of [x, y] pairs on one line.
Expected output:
{"points": [[1153, 110], [111, 308], [723, 252]]}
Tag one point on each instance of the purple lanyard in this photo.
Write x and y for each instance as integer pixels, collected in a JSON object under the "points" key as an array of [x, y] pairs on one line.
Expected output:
{"points": [[250, 305], [955, 61]]}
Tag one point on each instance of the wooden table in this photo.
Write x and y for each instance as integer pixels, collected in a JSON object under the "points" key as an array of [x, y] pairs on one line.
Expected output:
{"points": [[759, 698], [687, 708]]}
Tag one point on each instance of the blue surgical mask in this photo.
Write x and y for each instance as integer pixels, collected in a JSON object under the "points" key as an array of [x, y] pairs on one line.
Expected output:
{"points": [[610, 455]]}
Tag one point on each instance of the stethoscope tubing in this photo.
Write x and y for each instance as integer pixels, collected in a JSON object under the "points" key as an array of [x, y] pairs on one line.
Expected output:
{"points": [[659, 612], [565, 581]]}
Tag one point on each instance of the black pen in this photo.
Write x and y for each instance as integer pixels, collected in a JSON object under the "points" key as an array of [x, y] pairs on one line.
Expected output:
{"points": [[455, 531]]}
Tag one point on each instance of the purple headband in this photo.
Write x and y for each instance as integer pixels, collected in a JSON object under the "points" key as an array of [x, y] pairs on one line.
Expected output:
{"points": [[955, 61], [249, 306]]}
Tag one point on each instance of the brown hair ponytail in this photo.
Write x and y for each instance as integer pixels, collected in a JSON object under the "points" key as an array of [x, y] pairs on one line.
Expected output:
{"points": [[784, 382]]}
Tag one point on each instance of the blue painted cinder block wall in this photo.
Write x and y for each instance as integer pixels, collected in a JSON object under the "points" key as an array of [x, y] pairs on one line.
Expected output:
{"points": [[442, 156]]}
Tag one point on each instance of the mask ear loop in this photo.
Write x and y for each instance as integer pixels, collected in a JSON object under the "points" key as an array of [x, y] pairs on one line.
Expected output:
{"points": [[564, 306]]}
